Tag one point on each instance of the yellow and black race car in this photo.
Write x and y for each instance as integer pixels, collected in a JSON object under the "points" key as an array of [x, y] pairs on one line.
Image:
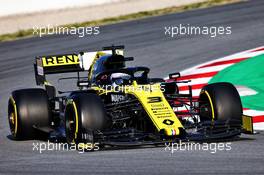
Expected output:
{"points": [[118, 105]]}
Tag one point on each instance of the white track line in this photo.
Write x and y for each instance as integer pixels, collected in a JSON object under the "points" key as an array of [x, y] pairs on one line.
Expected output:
{"points": [[195, 92], [206, 69], [195, 81], [258, 126], [253, 112]]}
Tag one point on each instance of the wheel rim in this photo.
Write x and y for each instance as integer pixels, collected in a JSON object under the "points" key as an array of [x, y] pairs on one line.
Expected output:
{"points": [[205, 112], [12, 122], [12, 117], [70, 124], [206, 107]]}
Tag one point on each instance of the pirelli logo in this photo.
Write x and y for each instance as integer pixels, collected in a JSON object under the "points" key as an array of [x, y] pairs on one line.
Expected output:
{"points": [[60, 60]]}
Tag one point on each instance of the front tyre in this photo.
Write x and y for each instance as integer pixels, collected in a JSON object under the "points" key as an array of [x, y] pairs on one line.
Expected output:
{"points": [[84, 113], [220, 104]]}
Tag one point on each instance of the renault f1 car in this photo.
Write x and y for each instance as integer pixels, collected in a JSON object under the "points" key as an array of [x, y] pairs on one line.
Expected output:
{"points": [[118, 105]]}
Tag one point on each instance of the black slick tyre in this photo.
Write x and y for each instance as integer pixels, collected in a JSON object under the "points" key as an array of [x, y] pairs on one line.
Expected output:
{"points": [[84, 113], [28, 108]]}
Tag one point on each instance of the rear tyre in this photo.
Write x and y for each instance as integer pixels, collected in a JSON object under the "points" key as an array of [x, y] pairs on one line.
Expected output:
{"points": [[220, 102], [28, 108], [84, 113]]}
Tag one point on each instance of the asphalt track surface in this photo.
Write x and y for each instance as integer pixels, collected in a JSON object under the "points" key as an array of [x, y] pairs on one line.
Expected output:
{"points": [[145, 40]]}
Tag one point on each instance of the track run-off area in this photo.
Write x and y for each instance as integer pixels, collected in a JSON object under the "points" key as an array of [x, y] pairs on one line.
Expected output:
{"points": [[243, 69]]}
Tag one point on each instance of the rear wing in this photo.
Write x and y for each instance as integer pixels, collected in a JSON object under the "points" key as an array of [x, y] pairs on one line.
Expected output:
{"points": [[54, 64]]}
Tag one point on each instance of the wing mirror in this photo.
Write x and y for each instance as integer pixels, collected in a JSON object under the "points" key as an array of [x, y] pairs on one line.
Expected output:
{"points": [[174, 75]]}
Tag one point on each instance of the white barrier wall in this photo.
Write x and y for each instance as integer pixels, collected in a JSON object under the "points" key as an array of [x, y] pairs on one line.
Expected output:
{"points": [[14, 7], [22, 13]]}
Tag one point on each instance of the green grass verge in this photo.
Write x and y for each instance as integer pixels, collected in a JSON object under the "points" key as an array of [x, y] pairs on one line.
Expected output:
{"points": [[134, 16], [248, 73]]}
